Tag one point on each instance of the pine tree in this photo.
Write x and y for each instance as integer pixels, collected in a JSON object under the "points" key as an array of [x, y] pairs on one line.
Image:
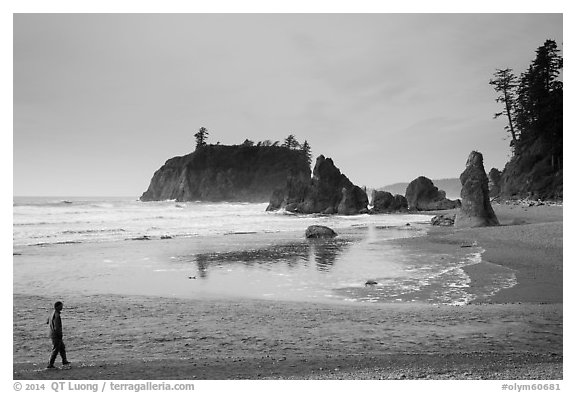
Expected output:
{"points": [[539, 103], [201, 137], [290, 142], [307, 151], [535, 116], [505, 83]]}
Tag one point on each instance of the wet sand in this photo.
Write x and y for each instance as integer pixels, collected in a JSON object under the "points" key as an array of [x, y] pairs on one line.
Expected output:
{"points": [[515, 334], [528, 241]]}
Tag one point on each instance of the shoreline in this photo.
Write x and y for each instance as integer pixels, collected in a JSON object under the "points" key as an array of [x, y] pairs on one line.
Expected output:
{"points": [[528, 242], [515, 334], [251, 339]]}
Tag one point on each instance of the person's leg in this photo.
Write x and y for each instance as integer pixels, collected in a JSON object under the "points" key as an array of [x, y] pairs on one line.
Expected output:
{"points": [[63, 353], [55, 350]]}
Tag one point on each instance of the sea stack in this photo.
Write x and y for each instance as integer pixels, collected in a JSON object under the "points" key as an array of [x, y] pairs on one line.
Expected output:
{"points": [[421, 194], [216, 173], [476, 210], [385, 202], [328, 192]]}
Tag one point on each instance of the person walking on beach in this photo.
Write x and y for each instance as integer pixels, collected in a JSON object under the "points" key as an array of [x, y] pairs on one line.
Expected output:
{"points": [[55, 325]]}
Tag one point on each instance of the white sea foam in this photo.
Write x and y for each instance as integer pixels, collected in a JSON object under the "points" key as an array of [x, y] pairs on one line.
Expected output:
{"points": [[46, 220]]}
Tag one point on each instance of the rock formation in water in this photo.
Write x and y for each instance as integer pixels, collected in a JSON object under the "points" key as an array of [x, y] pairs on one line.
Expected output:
{"points": [[385, 202], [320, 231], [421, 194], [227, 173], [354, 200], [476, 210], [451, 186], [328, 192]]}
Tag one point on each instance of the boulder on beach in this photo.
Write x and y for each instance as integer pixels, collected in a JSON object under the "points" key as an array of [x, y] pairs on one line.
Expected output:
{"points": [[385, 202], [476, 210], [443, 220], [319, 231], [328, 192], [421, 194]]}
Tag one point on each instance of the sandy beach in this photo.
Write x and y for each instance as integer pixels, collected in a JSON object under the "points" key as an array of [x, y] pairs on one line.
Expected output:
{"points": [[514, 334]]}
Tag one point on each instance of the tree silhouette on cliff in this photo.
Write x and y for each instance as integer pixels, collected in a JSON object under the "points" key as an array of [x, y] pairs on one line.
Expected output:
{"points": [[505, 83], [290, 142], [201, 137], [533, 105], [307, 151], [539, 104]]}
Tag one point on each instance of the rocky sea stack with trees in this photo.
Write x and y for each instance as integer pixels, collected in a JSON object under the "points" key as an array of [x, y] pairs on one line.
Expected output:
{"points": [[242, 173]]}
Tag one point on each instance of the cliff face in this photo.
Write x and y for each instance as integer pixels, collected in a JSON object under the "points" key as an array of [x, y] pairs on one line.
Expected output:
{"points": [[533, 174], [226, 173]]}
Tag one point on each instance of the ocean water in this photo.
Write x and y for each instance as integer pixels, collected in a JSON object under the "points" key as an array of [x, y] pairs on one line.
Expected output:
{"points": [[44, 221], [195, 250]]}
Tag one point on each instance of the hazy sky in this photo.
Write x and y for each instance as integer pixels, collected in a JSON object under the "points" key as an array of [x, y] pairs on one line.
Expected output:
{"points": [[101, 101]]}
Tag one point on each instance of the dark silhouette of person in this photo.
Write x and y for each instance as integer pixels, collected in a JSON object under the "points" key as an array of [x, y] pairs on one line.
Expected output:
{"points": [[55, 325]]}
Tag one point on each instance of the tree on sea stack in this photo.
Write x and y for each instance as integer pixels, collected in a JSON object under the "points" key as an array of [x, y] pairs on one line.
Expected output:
{"points": [[290, 142], [201, 137], [307, 151], [476, 210]]}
